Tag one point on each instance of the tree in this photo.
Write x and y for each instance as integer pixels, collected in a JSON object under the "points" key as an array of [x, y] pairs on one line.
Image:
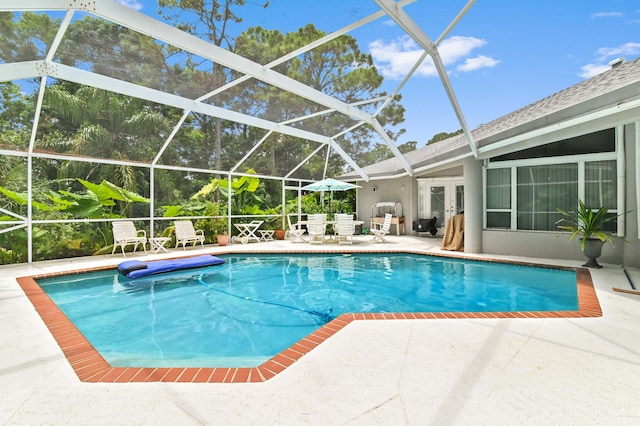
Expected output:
{"points": [[381, 152], [207, 19], [338, 68], [27, 37], [443, 135], [16, 114], [104, 125]]}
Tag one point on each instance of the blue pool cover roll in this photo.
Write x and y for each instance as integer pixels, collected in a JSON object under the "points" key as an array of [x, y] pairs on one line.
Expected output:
{"points": [[139, 269]]}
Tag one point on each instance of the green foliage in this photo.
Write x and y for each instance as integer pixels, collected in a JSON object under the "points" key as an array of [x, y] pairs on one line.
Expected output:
{"points": [[98, 202], [342, 202], [586, 223], [443, 136], [338, 68], [64, 240], [216, 225], [249, 196], [16, 115], [22, 199], [27, 37], [381, 152], [90, 122]]}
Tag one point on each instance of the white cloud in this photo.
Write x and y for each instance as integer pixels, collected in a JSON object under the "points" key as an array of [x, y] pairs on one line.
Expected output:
{"points": [[607, 15], [131, 4], [605, 55], [630, 49], [395, 59], [479, 62], [590, 70]]}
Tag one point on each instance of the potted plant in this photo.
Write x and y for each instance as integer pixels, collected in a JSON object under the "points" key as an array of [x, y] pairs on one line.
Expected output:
{"points": [[217, 225], [275, 223], [587, 224], [223, 239]]}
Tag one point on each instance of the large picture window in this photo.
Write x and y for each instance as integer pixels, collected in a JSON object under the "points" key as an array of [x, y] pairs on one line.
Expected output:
{"points": [[543, 188], [525, 189]]}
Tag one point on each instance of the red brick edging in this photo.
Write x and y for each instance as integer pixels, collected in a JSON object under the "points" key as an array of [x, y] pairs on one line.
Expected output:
{"points": [[90, 366]]}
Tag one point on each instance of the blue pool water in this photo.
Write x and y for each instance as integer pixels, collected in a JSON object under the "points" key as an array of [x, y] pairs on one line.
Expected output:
{"points": [[247, 310]]}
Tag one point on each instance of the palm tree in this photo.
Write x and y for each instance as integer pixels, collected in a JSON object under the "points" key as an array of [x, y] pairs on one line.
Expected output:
{"points": [[95, 123]]}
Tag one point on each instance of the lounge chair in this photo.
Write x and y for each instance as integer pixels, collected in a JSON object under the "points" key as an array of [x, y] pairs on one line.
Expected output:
{"points": [[295, 230], [379, 233], [125, 233], [185, 234], [344, 229], [317, 228]]}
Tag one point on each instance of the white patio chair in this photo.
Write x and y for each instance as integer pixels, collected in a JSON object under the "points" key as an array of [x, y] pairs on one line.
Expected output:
{"points": [[295, 230], [185, 234], [125, 233], [317, 228], [380, 232], [344, 229]]}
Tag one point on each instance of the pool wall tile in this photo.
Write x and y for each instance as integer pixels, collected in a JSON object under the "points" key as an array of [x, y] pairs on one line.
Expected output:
{"points": [[91, 367]]}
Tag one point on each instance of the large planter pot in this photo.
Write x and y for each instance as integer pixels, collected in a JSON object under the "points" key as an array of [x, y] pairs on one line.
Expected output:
{"points": [[593, 250], [223, 239], [280, 234]]}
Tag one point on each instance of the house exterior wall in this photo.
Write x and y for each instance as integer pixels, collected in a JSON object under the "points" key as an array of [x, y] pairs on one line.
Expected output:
{"points": [[609, 101], [540, 244], [631, 256], [552, 245], [389, 190], [546, 245], [473, 206]]}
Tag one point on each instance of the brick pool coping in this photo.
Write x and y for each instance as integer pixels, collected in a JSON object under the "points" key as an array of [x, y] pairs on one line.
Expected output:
{"points": [[90, 366]]}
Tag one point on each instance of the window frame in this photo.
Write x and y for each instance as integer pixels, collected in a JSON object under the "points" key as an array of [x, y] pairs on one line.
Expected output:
{"points": [[513, 165]]}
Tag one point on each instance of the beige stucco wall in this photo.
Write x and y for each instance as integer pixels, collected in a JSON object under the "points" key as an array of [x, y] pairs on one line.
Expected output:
{"points": [[631, 255], [547, 245], [556, 246], [550, 245], [389, 190]]}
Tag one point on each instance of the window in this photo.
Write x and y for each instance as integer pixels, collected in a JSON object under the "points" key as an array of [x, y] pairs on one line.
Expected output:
{"points": [[597, 142], [600, 189], [552, 176], [543, 188], [499, 198]]}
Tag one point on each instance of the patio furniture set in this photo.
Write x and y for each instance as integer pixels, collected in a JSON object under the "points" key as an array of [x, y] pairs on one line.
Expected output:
{"points": [[313, 230]]}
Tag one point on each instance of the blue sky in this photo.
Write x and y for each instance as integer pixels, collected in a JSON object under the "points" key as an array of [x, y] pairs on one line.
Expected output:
{"points": [[501, 56]]}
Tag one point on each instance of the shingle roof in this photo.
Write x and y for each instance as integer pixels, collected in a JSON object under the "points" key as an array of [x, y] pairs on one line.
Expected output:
{"points": [[619, 84]]}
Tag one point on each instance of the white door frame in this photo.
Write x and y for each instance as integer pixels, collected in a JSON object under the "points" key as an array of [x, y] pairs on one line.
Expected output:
{"points": [[449, 207]]}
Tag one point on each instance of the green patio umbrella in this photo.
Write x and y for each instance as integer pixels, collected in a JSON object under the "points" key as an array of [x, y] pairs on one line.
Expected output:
{"points": [[330, 185]]}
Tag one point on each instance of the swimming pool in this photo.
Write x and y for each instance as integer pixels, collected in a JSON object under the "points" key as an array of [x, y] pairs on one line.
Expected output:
{"points": [[253, 307]]}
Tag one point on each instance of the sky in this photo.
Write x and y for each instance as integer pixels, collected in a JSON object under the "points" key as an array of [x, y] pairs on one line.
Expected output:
{"points": [[501, 56]]}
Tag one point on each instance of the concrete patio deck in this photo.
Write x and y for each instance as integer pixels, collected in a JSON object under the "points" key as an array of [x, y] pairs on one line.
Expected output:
{"points": [[415, 372]]}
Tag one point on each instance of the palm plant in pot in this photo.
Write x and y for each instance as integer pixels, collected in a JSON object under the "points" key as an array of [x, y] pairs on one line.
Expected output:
{"points": [[587, 225]]}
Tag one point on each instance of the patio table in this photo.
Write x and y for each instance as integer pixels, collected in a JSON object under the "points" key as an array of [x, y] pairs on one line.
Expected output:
{"points": [[266, 234], [158, 244]]}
